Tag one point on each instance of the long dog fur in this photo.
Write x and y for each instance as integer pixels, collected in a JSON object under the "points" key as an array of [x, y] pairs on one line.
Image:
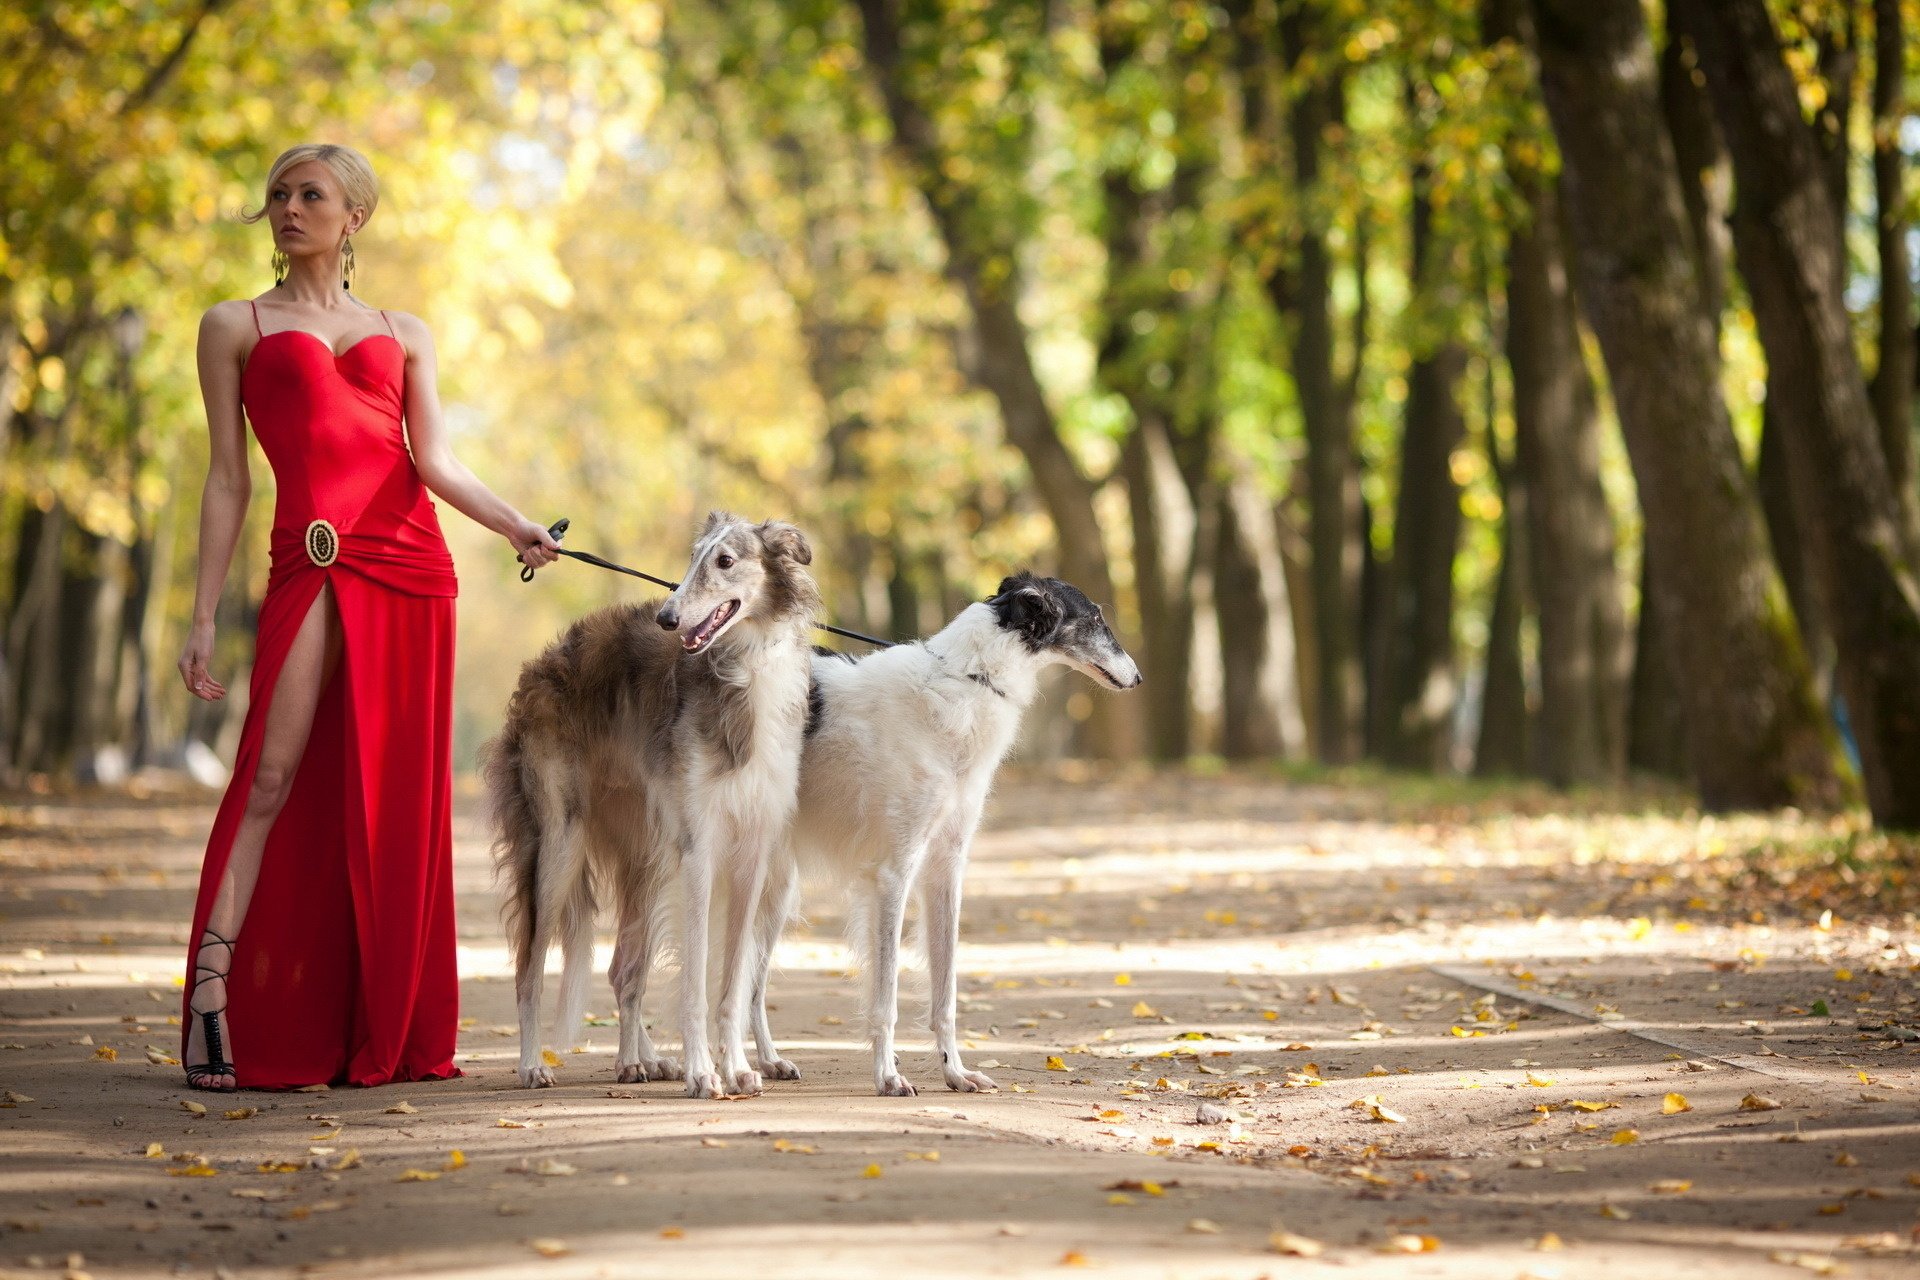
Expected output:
{"points": [[901, 751], [631, 760]]}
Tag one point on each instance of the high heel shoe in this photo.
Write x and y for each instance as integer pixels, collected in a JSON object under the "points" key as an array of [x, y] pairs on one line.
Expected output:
{"points": [[215, 1065]]}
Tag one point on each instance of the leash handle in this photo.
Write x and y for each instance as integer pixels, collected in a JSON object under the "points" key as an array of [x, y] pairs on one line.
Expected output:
{"points": [[558, 529]]}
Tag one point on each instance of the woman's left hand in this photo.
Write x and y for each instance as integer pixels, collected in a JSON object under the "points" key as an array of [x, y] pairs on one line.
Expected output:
{"points": [[533, 545]]}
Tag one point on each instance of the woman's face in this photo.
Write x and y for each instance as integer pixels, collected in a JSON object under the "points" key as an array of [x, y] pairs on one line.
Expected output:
{"points": [[308, 211]]}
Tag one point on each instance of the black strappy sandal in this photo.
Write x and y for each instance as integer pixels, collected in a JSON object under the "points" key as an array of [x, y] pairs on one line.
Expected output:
{"points": [[210, 1022]]}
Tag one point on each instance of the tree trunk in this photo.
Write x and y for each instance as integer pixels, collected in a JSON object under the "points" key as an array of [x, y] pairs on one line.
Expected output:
{"points": [[1656, 718], [1773, 474], [1002, 358], [1569, 526], [1260, 701], [1413, 710], [1164, 540], [1333, 474], [1753, 728], [1893, 377], [1786, 232], [1505, 731]]}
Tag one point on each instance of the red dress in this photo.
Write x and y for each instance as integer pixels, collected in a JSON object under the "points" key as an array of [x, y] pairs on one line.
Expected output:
{"points": [[344, 965]]}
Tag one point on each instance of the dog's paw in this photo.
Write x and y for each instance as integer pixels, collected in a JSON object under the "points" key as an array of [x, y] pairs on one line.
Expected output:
{"points": [[704, 1084], [537, 1076], [894, 1085], [970, 1082], [641, 1070], [778, 1069], [745, 1083]]}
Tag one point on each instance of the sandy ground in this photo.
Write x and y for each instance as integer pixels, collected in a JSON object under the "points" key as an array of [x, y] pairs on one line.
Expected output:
{"points": [[1321, 963]]}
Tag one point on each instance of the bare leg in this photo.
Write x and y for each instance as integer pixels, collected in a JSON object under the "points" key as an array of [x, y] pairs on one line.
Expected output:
{"points": [[310, 664], [696, 879]]}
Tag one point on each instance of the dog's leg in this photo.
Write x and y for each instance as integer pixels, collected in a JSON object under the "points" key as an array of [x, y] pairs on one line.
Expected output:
{"points": [[696, 880], [632, 964], [777, 905], [746, 876], [940, 899], [553, 896], [883, 976]]}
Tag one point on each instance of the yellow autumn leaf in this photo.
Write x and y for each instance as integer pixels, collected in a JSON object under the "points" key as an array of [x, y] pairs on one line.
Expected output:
{"points": [[1054, 1063], [241, 1113], [1675, 1103], [504, 1123], [1119, 1198], [1830, 1210], [1671, 1187], [1578, 1105], [1294, 1246], [456, 1159], [1122, 979], [155, 1151], [1843, 975], [549, 1057], [402, 1108], [933, 1156], [1203, 1227], [786, 1146], [548, 1248], [107, 1053], [673, 1233], [418, 1175], [1073, 1258], [1621, 1137], [1538, 1082], [197, 1108], [872, 1171], [1141, 1009], [1549, 1243], [349, 1159], [1615, 1212], [1409, 1243], [198, 1170], [1756, 1102]]}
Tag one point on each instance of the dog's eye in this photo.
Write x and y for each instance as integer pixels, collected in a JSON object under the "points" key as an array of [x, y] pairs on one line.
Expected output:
{"points": [[725, 562]]}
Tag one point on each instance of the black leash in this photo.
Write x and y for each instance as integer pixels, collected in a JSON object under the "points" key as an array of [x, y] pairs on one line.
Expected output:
{"points": [[559, 530]]}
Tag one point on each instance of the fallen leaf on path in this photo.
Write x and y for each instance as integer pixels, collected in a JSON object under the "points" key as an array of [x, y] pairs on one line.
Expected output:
{"points": [[872, 1171], [1073, 1257], [673, 1233], [1845, 1160], [199, 1169], [1621, 1137], [1579, 1105], [1142, 1009], [15, 1099], [548, 1248], [786, 1146], [266, 1194], [1136, 1184], [713, 1142], [240, 1113], [419, 1175], [1615, 1212], [1818, 1263], [350, 1159], [107, 1053], [1203, 1227], [549, 1057], [1549, 1243], [1294, 1246], [402, 1109], [1119, 1198], [1122, 979], [1538, 1082], [1755, 1102], [1671, 1187], [1054, 1063], [504, 1123], [551, 1168], [933, 1156], [1835, 1209], [1675, 1103], [161, 1058], [1410, 1244], [456, 1159]]}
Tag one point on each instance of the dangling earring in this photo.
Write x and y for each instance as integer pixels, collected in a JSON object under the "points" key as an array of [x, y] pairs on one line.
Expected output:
{"points": [[347, 265], [280, 267]]}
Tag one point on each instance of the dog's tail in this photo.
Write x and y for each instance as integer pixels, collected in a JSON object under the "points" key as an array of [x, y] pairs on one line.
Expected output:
{"points": [[516, 843]]}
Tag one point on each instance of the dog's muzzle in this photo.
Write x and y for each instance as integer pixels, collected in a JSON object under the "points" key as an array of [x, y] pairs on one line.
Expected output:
{"points": [[323, 543]]}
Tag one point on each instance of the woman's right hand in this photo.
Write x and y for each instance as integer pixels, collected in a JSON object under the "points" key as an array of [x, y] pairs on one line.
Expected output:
{"points": [[193, 664]]}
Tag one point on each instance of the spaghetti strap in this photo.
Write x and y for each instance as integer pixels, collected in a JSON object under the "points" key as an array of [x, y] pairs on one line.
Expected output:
{"points": [[389, 324], [256, 318]]}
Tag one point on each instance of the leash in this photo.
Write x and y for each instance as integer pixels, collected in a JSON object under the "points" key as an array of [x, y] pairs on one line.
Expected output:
{"points": [[559, 530]]}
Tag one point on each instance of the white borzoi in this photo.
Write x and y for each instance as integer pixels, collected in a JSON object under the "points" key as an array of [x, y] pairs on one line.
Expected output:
{"points": [[901, 750], [631, 756]]}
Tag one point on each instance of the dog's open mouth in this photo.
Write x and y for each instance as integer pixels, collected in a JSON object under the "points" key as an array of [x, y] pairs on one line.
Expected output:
{"points": [[702, 636]]}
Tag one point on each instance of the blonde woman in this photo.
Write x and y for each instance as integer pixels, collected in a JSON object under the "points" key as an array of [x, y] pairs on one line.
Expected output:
{"points": [[323, 937]]}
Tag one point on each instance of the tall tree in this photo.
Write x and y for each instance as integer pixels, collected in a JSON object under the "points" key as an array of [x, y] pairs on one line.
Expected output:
{"points": [[1893, 376], [1415, 691], [1302, 289], [1786, 233], [1755, 735], [1569, 526]]}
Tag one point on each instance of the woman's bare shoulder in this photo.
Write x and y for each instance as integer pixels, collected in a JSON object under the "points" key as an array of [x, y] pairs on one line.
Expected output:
{"points": [[227, 322]]}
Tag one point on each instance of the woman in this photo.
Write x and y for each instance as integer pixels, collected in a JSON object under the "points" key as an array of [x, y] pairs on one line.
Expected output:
{"points": [[323, 939]]}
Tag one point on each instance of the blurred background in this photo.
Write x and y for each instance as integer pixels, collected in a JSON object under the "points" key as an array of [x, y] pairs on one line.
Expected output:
{"points": [[1508, 387]]}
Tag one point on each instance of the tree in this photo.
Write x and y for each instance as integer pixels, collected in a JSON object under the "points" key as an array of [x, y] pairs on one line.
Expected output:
{"points": [[1754, 732], [1861, 546]]}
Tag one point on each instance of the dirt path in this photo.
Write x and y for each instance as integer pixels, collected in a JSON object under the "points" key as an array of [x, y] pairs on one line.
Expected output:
{"points": [[1323, 963]]}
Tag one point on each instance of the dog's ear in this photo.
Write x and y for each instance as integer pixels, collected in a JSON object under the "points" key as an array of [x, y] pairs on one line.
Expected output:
{"points": [[1027, 609], [714, 520], [784, 539]]}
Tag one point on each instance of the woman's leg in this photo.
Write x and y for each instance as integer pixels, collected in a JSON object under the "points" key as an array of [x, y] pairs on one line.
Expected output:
{"points": [[310, 664]]}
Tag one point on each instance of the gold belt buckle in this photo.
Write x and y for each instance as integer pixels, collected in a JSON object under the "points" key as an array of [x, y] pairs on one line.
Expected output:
{"points": [[323, 543]]}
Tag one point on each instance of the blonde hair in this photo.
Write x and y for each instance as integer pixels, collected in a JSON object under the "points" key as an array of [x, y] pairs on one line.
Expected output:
{"points": [[357, 183]]}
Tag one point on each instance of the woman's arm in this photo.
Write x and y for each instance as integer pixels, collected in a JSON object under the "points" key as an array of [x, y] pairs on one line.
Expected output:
{"points": [[223, 500], [445, 474]]}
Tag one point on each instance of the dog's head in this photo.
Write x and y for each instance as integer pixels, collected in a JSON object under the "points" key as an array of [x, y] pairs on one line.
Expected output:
{"points": [[741, 575], [1055, 621]]}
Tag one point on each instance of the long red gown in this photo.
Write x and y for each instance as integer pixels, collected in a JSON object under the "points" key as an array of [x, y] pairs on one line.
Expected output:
{"points": [[344, 965]]}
